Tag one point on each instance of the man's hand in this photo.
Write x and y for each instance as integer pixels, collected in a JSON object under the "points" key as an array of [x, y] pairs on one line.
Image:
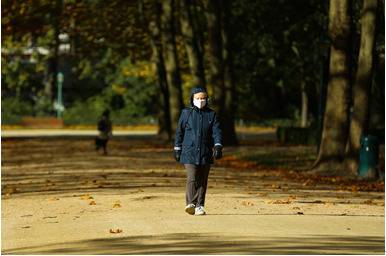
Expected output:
{"points": [[177, 155], [217, 154]]}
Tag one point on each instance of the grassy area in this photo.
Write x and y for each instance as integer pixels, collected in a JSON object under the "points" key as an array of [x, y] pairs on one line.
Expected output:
{"points": [[244, 129], [141, 127], [294, 157]]}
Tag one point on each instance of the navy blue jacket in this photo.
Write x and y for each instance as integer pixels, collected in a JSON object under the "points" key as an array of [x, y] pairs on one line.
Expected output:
{"points": [[198, 131]]}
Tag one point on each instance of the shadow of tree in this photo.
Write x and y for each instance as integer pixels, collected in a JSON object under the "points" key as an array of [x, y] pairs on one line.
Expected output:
{"points": [[188, 243], [55, 165]]}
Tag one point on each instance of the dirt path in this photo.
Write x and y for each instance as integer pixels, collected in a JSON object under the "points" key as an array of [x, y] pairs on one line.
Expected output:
{"points": [[59, 197]]}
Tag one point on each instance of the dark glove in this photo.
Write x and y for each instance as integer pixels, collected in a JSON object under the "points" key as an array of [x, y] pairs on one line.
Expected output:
{"points": [[177, 155], [217, 154]]}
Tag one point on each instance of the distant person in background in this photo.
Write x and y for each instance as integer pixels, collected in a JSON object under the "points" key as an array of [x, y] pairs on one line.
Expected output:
{"points": [[198, 140], [104, 132]]}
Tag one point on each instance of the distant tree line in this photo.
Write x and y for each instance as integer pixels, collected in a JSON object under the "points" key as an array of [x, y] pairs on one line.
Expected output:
{"points": [[318, 63]]}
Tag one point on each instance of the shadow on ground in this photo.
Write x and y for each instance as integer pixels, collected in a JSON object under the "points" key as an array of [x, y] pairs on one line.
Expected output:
{"points": [[185, 243], [55, 165]]}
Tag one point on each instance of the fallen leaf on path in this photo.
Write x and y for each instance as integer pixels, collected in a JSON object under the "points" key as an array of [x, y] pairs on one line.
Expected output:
{"points": [[369, 202], [117, 205], [92, 203], [86, 197], [247, 203], [116, 231], [280, 202], [300, 213]]}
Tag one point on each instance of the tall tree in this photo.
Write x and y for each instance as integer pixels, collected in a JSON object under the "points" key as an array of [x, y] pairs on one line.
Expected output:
{"points": [[221, 71], [171, 60], [362, 86], [229, 108], [215, 57], [304, 108], [189, 33], [152, 19], [335, 126]]}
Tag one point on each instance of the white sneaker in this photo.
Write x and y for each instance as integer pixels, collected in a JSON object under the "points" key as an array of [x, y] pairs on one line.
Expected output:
{"points": [[199, 210], [190, 209]]}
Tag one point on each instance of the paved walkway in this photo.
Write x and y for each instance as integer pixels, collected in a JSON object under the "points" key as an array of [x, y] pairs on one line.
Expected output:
{"points": [[60, 197]]}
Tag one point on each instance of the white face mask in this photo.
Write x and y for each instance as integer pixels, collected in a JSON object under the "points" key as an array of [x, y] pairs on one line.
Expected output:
{"points": [[199, 103]]}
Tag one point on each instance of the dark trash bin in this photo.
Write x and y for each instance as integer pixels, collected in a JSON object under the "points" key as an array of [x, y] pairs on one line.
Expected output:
{"points": [[368, 156]]}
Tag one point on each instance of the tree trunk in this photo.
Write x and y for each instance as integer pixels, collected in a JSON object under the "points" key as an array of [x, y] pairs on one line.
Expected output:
{"points": [[53, 62], [195, 56], [197, 26], [228, 116], [154, 30], [171, 61], [215, 57], [304, 109], [362, 87], [335, 125], [151, 20], [377, 106]]}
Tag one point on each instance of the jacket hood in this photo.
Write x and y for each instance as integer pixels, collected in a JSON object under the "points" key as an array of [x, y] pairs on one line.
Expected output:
{"points": [[195, 90]]}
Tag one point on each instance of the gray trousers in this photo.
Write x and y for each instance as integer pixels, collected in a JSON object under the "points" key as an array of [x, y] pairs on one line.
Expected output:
{"points": [[196, 183]]}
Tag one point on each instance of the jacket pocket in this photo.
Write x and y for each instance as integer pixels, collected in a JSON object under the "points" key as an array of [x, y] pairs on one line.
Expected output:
{"points": [[187, 146]]}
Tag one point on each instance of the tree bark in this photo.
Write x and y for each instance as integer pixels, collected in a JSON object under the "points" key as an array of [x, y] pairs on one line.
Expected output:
{"points": [[362, 86], [215, 56], [197, 26], [152, 25], [171, 61], [304, 109], [195, 56], [335, 125], [228, 114]]}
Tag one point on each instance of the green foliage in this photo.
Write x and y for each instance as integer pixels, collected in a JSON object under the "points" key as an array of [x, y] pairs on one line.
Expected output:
{"points": [[130, 97], [12, 109], [275, 44], [279, 48], [85, 112]]}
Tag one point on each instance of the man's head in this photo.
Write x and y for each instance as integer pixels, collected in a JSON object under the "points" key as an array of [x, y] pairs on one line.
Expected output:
{"points": [[106, 113]]}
